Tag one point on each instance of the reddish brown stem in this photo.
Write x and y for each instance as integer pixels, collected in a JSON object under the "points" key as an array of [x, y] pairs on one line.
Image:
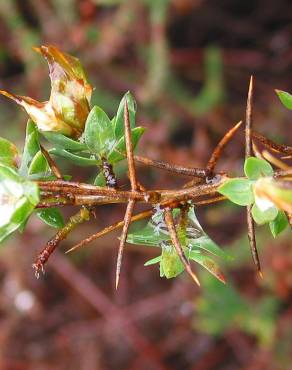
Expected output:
{"points": [[42, 258], [181, 170], [138, 217], [279, 148], [175, 241], [248, 153], [127, 221], [221, 145]]}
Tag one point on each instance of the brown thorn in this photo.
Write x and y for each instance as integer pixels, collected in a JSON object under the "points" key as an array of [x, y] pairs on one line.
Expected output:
{"points": [[278, 148], [175, 241], [221, 145], [289, 216], [187, 171], [275, 161], [252, 240], [82, 215], [129, 148], [248, 120], [286, 157], [127, 221], [51, 163], [256, 151], [137, 217], [248, 153]]}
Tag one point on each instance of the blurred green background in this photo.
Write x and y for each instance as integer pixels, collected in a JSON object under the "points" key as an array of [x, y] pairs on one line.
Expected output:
{"points": [[188, 64]]}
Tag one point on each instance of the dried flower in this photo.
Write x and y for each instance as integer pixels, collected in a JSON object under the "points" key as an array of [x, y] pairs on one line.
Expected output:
{"points": [[269, 192], [68, 107]]}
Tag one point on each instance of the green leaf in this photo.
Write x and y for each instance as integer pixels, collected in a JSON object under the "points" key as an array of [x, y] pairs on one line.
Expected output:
{"points": [[285, 98], [64, 142], [31, 147], [255, 168], [153, 261], [195, 237], [207, 244], [119, 118], [39, 165], [147, 236], [202, 240], [100, 180], [170, 263], [8, 152], [118, 152], [18, 198], [99, 132], [79, 159], [239, 191], [208, 264], [51, 216], [31, 192], [262, 217], [278, 224]]}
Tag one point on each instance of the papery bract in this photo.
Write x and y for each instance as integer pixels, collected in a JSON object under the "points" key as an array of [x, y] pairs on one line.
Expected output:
{"points": [[68, 107]]}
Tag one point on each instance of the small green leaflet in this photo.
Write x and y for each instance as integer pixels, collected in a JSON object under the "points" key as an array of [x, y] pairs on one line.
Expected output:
{"points": [[255, 168], [8, 152], [118, 121], [286, 98], [64, 142], [262, 217], [31, 147], [80, 159], [153, 261], [39, 166], [196, 242], [208, 264], [278, 224], [100, 180], [170, 264], [239, 191], [99, 133], [18, 198], [51, 217]]}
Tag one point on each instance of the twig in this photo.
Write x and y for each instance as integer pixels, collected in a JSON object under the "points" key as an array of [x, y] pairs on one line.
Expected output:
{"points": [[52, 163], [220, 146], [275, 161], [252, 241], [216, 153], [248, 120], [127, 221], [256, 151], [279, 148], [187, 171], [134, 188], [138, 217], [44, 255], [248, 153], [130, 150], [175, 241]]}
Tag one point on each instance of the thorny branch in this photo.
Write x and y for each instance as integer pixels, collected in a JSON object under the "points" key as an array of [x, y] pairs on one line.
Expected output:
{"points": [[175, 241], [201, 190], [248, 153], [220, 146], [42, 258], [134, 188]]}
